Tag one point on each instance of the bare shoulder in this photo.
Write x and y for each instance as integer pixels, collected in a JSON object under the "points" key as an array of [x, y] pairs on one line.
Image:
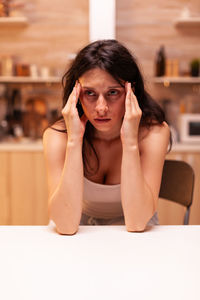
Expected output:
{"points": [[54, 140], [155, 135], [158, 129], [53, 136]]}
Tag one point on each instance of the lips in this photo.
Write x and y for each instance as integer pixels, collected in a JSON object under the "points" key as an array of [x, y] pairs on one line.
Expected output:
{"points": [[102, 120]]}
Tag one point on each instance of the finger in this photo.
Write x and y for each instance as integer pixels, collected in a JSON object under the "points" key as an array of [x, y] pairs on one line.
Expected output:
{"points": [[75, 95], [129, 100], [71, 96], [126, 87], [78, 89], [69, 101], [128, 106], [134, 101]]}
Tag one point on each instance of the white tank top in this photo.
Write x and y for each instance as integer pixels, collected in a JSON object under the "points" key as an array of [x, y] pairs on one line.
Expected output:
{"points": [[102, 201]]}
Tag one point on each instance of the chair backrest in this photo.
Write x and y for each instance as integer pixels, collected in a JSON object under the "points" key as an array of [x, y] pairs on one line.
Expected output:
{"points": [[177, 183]]}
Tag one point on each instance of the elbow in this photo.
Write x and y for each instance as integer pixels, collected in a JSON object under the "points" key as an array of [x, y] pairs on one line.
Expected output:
{"points": [[66, 230], [140, 226], [136, 228], [134, 224], [62, 227]]}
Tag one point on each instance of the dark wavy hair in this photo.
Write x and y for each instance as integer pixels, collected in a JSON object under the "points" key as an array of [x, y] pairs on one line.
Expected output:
{"points": [[114, 58]]}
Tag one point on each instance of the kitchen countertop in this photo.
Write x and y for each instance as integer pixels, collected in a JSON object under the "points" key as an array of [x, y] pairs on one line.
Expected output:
{"points": [[30, 145], [24, 145], [185, 147], [100, 262]]}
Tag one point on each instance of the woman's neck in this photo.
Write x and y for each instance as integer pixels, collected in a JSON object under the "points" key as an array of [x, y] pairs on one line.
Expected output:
{"points": [[106, 136], [114, 134]]}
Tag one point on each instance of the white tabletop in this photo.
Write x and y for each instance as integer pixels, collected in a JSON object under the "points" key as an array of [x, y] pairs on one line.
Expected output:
{"points": [[100, 262]]}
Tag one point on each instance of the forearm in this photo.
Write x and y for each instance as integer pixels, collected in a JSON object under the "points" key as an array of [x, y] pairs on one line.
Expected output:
{"points": [[66, 202], [137, 199]]}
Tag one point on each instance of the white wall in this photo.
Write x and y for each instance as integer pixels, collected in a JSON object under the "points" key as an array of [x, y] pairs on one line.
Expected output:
{"points": [[102, 18]]}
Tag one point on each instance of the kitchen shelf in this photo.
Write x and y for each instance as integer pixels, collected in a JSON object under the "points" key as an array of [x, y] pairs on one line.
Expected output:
{"points": [[169, 80], [27, 79], [188, 22], [13, 21]]}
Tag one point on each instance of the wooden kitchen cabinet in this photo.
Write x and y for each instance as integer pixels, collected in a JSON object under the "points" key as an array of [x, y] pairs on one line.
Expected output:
{"points": [[23, 193], [4, 190]]}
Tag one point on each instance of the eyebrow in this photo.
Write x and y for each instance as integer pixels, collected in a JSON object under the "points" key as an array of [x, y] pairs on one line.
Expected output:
{"points": [[110, 87]]}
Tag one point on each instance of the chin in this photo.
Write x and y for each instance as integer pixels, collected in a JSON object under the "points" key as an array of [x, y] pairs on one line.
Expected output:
{"points": [[102, 127]]}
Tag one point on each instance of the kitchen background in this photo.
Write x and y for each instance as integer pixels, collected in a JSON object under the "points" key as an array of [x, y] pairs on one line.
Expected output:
{"points": [[38, 41]]}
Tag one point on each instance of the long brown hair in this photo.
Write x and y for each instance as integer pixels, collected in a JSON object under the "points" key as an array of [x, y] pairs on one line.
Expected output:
{"points": [[114, 58]]}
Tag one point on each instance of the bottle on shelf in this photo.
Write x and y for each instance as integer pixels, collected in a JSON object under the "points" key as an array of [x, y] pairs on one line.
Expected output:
{"points": [[3, 122], [172, 68], [35, 119], [4, 8], [160, 62], [195, 67], [14, 113], [9, 112], [17, 113], [6, 65]]}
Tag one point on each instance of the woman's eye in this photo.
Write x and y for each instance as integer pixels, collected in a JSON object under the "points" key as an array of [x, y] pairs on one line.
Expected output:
{"points": [[89, 93], [113, 93]]}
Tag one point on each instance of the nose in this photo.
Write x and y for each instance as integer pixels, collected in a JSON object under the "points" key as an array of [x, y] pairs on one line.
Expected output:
{"points": [[101, 106]]}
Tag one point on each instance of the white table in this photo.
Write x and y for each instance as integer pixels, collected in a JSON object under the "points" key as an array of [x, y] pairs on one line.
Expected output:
{"points": [[100, 262]]}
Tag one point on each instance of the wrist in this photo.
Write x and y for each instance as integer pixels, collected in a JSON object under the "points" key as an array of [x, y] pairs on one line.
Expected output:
{"points": [[129, 142], [74, 143], [130, 146]]}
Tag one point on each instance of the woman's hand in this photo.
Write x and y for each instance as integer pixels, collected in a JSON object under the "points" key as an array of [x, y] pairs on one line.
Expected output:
{"points": [[132, 116], [75, 125]]}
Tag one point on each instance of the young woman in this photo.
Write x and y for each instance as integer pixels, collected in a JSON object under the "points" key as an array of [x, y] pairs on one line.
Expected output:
{"points": [[105, 156]]}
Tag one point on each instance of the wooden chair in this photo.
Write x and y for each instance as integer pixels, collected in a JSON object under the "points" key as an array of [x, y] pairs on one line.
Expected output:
{"points": [[178, 184]]}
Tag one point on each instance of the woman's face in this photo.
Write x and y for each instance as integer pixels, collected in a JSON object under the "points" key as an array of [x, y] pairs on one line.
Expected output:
{"points": [[103, 100]]}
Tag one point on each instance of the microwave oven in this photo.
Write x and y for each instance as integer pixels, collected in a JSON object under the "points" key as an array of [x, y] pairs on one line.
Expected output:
{"points": [[189, 128]]}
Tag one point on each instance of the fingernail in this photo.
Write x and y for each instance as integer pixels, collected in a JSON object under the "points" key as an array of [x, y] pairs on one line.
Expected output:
{"points": [[128, 84]]}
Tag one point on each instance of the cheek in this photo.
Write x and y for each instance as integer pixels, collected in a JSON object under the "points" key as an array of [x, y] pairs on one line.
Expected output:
{"points": [[122, 111], [87, 108], [121, 108], [82, 100]]}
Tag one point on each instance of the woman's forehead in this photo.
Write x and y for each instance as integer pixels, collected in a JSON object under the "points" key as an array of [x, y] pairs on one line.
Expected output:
{"points": [[98, 76]]}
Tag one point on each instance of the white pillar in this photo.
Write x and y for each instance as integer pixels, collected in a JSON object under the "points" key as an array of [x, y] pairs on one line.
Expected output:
{"points": [[102, 19]]}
